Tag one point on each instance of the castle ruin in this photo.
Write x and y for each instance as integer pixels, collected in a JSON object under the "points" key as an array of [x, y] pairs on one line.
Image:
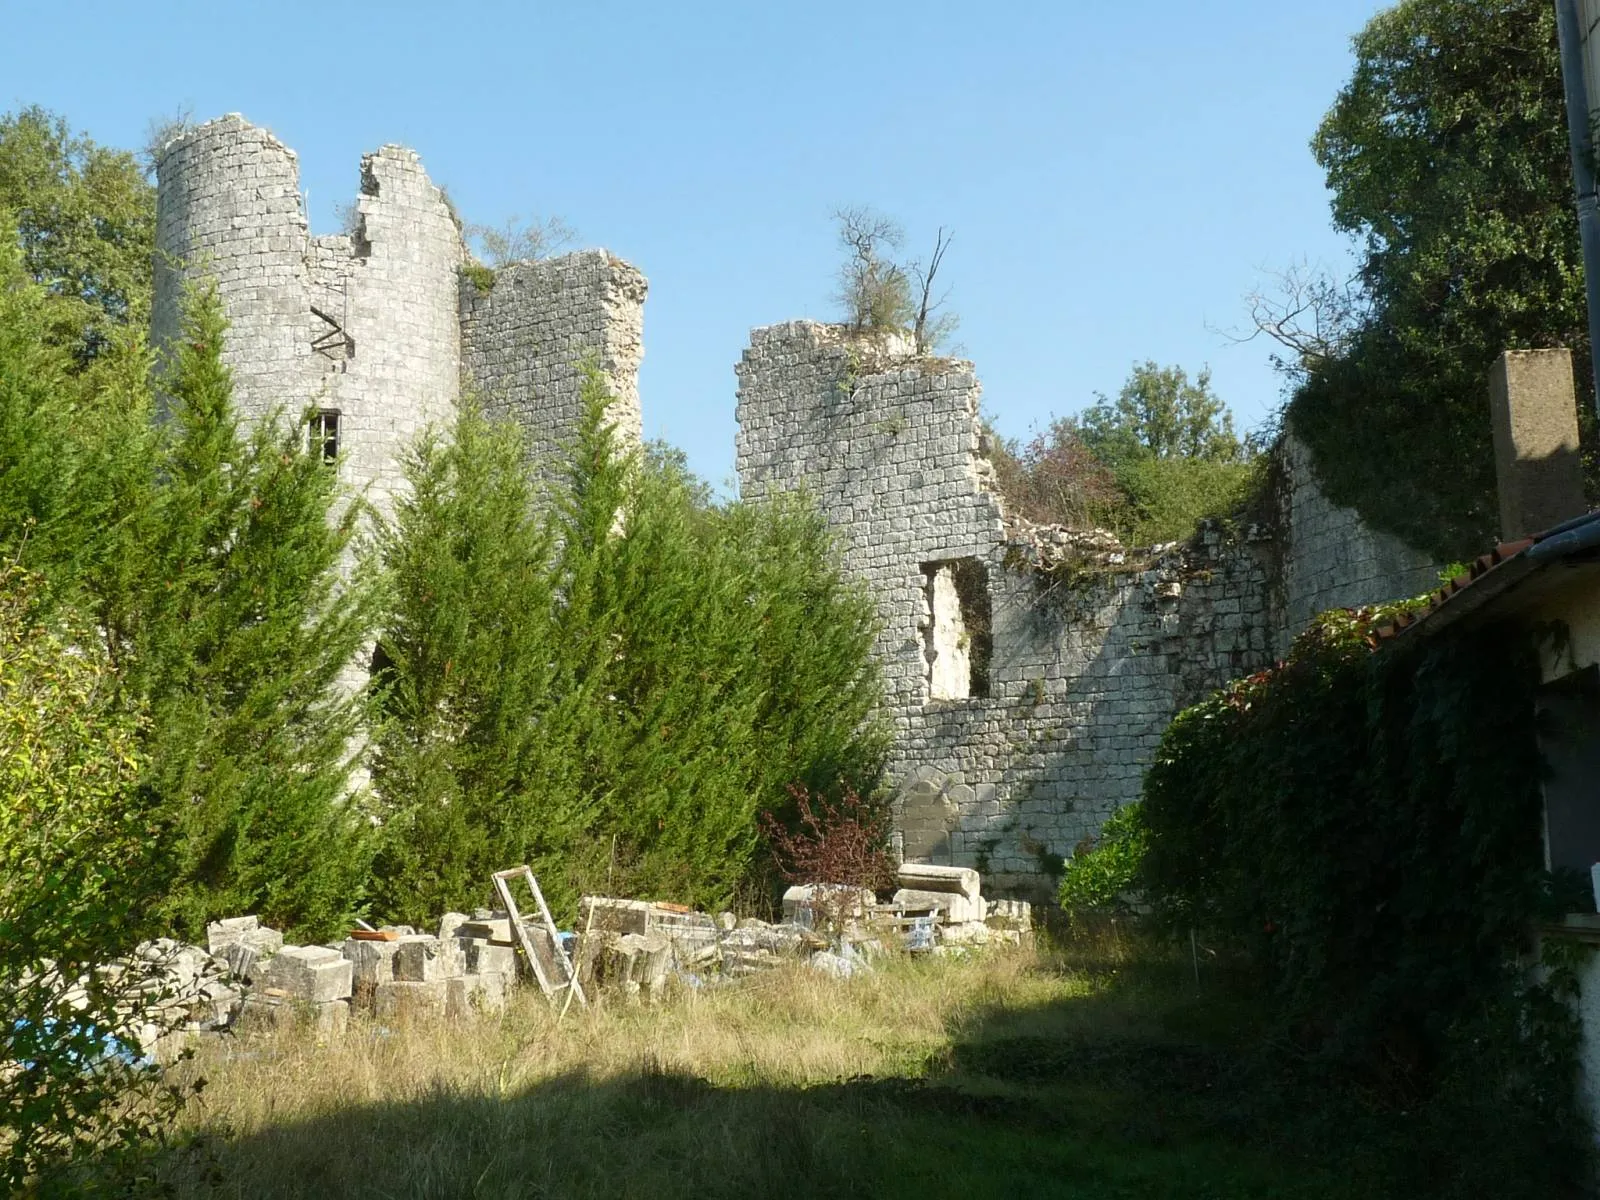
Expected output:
{"points": [[1029, 671]]}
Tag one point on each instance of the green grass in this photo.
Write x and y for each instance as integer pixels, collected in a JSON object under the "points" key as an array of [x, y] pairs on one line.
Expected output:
{"points": [[1096, 1073]]}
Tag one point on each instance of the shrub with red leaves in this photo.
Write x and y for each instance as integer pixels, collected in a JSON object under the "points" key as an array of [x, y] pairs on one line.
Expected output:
{"points": [[844, 842]]}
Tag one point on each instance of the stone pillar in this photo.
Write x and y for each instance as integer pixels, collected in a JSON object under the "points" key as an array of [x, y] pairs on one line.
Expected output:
{"points": [[1535, 441]]}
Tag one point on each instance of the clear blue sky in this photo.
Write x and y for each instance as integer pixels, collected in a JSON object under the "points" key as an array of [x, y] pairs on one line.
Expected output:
{"points": [[1118, 175]]}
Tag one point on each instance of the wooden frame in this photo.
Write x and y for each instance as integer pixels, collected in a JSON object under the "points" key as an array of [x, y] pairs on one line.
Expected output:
{"points": [[540, 943]]}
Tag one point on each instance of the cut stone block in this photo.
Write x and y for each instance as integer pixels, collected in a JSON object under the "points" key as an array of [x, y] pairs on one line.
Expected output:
{"points": [[485, 958], [966, 933], [424, 959], [929, 877], [1009, 914], [470, 995], [400, 1002], [806, 904], [954, 907], [262, 1013], [225, 933], [247, 954], [491, 929], [450, 925], [371, 963], [314, 974]]}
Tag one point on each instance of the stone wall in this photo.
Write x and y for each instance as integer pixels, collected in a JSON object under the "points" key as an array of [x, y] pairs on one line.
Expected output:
{"points": [[526, 339], [1077, 654], [362, 325], [1330, 557]]}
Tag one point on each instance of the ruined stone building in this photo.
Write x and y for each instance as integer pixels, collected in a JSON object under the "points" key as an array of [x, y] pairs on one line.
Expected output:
{"points": [[377, 329], [1029, 671]]}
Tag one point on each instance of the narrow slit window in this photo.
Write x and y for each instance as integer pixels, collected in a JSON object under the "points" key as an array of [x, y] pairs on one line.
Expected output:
{"points": [[957, 638], [323, 435]]}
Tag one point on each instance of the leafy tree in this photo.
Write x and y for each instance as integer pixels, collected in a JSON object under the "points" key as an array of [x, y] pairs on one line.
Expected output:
{"points": [[209, 563], [1055, 479], [75, 451], [1147, 465], [882, 295], [79, 855], [1446, 153], [1159, 413], [517, 239], [473, 771], [85, 220]]}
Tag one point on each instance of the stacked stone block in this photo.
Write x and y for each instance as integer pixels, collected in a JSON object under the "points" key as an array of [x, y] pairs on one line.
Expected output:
{"points": [[363, 323]]}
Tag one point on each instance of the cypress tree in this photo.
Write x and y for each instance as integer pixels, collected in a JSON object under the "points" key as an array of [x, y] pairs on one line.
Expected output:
{"points": [[473, 760], [612, 690], [231, 625]]}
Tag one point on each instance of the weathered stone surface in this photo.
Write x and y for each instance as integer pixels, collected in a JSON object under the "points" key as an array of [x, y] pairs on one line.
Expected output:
{"points": [[488, 958], [364, 323], [812, 904], [491, 929], [930, 877], [262, 1013], [450, 925], [423, 959], [955, 907], [314, 974], [397, 1002], [1076, 651], [371, 963], [224, 933], [1014, 915], [1536, 455], [526, 340], [475, 995]]}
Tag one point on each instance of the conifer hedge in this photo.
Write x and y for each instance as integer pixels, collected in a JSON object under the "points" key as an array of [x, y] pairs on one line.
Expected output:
{"points": [[609, 679]]}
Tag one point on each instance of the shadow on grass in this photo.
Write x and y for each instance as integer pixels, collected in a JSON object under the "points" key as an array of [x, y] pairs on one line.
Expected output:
{"points": [[1138, 1089]]}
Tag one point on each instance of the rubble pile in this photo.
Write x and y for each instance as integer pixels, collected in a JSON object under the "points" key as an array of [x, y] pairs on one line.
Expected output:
{"points": [[247, 979]]}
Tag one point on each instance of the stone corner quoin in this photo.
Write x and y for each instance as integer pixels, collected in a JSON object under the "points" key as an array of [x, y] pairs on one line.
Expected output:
{"points": [[1026, 700]]}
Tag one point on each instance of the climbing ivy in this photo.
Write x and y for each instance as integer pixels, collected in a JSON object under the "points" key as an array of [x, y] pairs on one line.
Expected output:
{"points": [[1365, 825]]}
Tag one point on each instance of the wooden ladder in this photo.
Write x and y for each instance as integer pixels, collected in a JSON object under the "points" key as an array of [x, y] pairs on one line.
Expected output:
{"points": [[553, 969]]}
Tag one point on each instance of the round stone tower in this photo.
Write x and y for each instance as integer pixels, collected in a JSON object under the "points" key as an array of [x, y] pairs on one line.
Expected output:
{"points": [[228, 207]]}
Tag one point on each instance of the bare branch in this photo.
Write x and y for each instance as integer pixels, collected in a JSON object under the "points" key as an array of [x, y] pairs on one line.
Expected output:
{"points": [[518, 240], [931, 329], [1307, 312]]}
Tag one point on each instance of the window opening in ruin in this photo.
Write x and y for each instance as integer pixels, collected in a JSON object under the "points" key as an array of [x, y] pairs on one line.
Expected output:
{"points": [[322, 436], [958, 640]]}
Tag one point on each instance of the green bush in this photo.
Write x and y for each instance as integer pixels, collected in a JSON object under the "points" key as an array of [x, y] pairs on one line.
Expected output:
{"points": [[1168, 497], [1103, 871], [79, 859], [209, 558]]}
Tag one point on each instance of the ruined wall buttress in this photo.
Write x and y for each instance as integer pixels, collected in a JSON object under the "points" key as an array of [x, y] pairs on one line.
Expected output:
{"points": [[385, 309], [1330, 557], [1075, 674], [526, 339]]}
